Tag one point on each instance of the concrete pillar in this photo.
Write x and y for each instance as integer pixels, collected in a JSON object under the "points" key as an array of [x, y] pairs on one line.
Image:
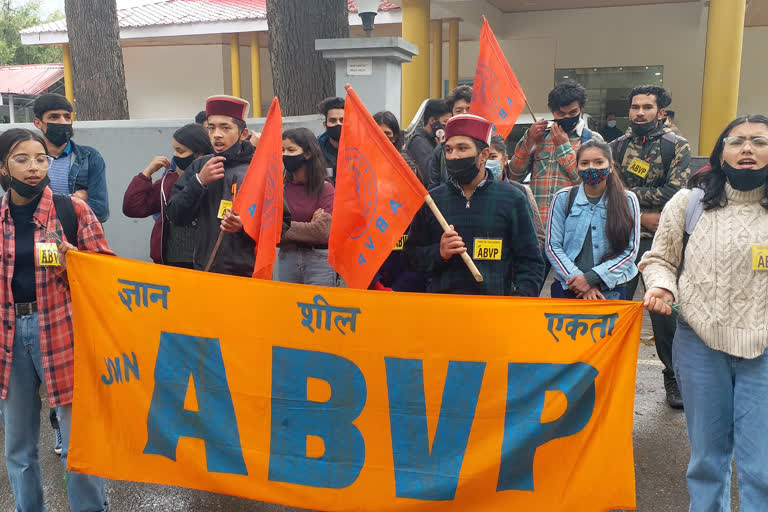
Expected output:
{"points": [[234, 52], [10, 106], [722, 69], [437, 59], [415, 14], [453, 54], [255, 75]]}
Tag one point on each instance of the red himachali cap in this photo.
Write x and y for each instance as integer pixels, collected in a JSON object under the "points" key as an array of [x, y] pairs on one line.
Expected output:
{"points": [[226, 106], [469, 125]]}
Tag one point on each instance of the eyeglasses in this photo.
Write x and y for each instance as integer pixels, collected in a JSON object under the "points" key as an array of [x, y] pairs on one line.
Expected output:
{"points": [[25, 161], [737, 143]]}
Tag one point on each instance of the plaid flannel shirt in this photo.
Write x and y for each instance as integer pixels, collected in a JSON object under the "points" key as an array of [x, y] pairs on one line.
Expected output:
{"points": [[554, 167], [54, 302]]}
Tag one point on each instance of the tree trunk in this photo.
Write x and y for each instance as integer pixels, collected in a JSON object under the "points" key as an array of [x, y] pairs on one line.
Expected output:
{"points": [[97, 59], [302, 78]]}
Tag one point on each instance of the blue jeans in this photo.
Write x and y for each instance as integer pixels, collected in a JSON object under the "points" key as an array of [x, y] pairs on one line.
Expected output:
{"points": [[557, 292], [21, 422], [726, 407], [305, 266]]}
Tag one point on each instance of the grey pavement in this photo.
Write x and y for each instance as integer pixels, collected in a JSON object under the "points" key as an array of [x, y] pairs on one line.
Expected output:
{"points": [[660, 441]]}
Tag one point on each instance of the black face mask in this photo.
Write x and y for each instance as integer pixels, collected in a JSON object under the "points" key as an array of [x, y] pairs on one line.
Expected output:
{"points": [[462, 170], [29, 191], [59, 133], [293, 162], [232, 152], [643, 129], [745, 179], [183, 163], [568, 123], [437, 125], [334, 132]]}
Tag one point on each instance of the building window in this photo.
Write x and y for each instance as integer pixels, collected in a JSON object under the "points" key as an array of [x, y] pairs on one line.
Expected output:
{"points": [[608, 88]]}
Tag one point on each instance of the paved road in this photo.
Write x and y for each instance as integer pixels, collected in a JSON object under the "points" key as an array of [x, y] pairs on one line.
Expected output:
{"points": [[661, 456]]}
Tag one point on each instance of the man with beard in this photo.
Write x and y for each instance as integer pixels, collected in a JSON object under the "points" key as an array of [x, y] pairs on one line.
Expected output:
{"points": [[655, 164], [492, 216], [207, 189]]}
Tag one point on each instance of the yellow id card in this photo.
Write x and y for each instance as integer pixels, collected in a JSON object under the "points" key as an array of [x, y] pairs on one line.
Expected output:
{"points": [[400, 243], [487, 249], [224, 207], [760, 257], [639, 167], [47, 254]]}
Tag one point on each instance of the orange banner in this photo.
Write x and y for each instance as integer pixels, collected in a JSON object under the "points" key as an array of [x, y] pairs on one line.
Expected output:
{"points": [[496, 93], [377, 195], [260, 200], [333, 399]]}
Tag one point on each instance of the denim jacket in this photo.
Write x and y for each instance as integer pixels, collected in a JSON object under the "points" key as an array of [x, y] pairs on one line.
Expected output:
{"points": [[87, 171], [565, 239]]}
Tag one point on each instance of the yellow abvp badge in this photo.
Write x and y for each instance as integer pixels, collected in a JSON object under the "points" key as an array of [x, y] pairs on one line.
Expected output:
{"points": [[487, 249], [760, 257], [638, 167], [400, 243], [47, 254], [224, 207]]}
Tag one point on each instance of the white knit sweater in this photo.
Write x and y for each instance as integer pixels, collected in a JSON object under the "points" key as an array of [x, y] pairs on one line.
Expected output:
{"points": [[723, 299]]}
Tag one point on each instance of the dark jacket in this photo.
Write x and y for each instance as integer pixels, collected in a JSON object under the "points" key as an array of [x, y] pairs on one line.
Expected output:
{"points": [[496, 210], [87, 171], [420, 148], [330, 153], [144, 198], [190, 201], [610, 134], [438, 174]]}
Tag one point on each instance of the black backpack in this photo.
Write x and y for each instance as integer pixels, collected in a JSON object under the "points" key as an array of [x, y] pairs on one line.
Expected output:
{"points": [[668, 140], [65, 212]]}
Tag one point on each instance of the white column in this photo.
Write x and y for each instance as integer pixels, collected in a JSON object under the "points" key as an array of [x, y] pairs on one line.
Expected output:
{"points": [[10, 105]]}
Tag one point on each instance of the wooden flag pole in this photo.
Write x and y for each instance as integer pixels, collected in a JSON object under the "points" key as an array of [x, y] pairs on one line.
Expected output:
{"points": [[530, 110], [444, 224], [215, 250]]}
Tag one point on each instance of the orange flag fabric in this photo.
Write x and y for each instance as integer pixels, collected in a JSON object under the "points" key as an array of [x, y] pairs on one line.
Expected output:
{"points": [[377, 195], [496, 93], [260, 200]]}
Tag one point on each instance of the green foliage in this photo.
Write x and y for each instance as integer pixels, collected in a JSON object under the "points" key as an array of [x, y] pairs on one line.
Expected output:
{"points": [[16, 16]]}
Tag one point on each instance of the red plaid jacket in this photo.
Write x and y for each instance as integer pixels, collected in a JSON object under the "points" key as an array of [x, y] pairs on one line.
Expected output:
{"points": [[54, 302]]}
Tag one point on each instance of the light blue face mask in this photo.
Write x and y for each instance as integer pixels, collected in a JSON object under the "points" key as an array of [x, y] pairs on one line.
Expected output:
{"points": [[494, 167]]}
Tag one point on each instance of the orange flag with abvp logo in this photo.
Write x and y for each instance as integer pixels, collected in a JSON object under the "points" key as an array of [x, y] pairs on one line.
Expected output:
{"points": [[496, 93], [260, 200], [377, 195]]}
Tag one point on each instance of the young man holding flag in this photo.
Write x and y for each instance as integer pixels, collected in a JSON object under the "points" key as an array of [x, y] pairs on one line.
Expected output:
{"points": [[547, 151], [493, 217], [203, 196]]}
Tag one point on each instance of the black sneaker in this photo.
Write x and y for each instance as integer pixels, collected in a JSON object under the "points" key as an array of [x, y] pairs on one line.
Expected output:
{"points": [[57, 444], [674, 398]]}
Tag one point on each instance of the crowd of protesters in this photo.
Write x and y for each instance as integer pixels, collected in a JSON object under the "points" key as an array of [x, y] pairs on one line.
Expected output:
{"points": [[601, 216]]}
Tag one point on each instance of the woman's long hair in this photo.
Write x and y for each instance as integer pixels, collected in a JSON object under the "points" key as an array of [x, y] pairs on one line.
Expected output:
{"points": [[315, 169], [619, 222], [9, 140], [387, 118], [713, 180]]}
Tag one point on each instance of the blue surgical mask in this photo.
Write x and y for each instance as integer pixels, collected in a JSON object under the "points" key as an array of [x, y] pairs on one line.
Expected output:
{"points": [[494, 167]]}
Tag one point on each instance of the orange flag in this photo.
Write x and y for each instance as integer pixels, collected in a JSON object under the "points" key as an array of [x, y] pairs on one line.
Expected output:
{"points": [[377, 195], [260, 200], [496, 93]]}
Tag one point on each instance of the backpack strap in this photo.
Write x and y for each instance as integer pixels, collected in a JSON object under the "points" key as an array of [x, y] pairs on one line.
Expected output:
{"points": [[65, 212], [572, 193], [693, 211], [668, 141], [620, 149]]}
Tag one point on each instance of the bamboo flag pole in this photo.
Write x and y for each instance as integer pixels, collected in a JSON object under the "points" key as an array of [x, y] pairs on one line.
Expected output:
{"points": [[215, 250], [444, 224], [530, 110]]}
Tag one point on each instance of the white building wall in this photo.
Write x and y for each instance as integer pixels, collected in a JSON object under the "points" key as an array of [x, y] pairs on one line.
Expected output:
{"points": [[753, 88], [168, 82]]}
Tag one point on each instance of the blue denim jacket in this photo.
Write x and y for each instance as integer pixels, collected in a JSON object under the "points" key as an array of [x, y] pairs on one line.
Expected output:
{"points": [[565, 238], [87, 171]]}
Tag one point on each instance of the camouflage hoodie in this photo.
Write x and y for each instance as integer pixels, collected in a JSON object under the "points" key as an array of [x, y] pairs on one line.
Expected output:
{"points": [[656, 186]]}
